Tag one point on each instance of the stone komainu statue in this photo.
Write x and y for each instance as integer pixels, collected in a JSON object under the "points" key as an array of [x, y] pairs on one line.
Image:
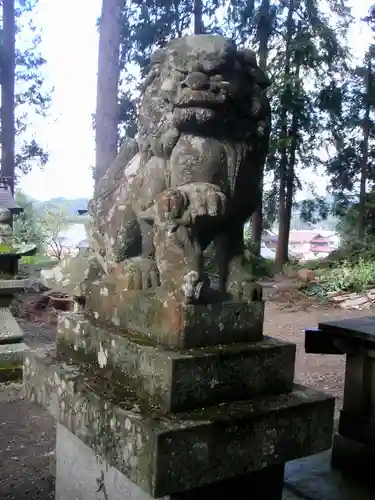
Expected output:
{"points": [[193, 176]]}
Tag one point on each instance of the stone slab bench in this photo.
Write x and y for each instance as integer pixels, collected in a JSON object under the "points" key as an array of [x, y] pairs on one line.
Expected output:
{"points": [[354, 444]]}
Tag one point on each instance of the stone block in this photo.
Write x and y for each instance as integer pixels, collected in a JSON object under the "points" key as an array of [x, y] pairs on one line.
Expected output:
{"points": [[157, 316], [81, 473], [175, 380], [320, 342], [12, 286], [10, 332], [167, 454], [11, 361]]}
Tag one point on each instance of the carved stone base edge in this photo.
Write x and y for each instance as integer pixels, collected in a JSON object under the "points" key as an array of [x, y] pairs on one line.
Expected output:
{"points": [[11, 361], [158, 316], [82, 474], [165, 454]]}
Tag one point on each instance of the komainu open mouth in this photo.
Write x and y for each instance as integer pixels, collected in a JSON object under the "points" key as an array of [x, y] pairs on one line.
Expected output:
{"points": [[199, 99]]}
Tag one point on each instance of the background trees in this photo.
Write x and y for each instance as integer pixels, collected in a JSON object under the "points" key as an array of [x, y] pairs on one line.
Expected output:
{"points": [[23, 92], [322, 101]]}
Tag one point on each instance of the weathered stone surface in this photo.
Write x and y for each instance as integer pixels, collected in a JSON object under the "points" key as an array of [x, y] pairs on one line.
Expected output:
{"points": [[11, 361], [165, 320], [9, 328], [80, 474], [194, 177], [68, 274], [174, 453], [174, 380]]}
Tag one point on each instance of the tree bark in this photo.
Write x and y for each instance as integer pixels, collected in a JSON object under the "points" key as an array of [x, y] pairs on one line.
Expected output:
{"points": [[290, 177], [282, 247], [106, 118], [8, 68], [264, 35], [198, 17], [364, 159]]}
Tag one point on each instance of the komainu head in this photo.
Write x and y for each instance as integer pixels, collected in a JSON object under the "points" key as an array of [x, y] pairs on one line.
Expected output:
{"points": [[201, 85]]}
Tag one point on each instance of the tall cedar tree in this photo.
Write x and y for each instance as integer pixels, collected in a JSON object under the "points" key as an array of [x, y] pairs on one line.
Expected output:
{"points": [[151, 24], [352, 166], [311, 50], [106, 117], [23, 90], [8, 69]]}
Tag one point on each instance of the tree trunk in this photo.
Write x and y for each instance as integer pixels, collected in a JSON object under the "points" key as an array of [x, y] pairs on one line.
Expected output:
{"points": [[198, 17], [290, 177], [283, 234], [106, 118], [264, 35], [364, 159], [8, 68]]}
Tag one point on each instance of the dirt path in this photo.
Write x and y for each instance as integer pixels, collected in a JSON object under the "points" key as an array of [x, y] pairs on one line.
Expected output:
{"points": [[27, 431], [323, 372]]}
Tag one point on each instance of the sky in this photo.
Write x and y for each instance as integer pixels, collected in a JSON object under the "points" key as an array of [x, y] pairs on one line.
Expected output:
{"points": [[70, 46]]}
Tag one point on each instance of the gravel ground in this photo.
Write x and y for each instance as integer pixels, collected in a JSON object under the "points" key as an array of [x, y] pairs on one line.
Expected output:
{"points": [[27, 434], [27, 431]]}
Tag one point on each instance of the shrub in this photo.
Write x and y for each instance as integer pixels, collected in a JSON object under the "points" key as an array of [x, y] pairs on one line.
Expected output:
{"points": [[347, 276]]}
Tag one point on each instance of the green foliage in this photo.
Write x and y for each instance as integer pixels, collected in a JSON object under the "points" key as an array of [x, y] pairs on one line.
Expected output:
{"points": [[350, 268], [314, 210], [370, 19], [32, 97], [348, 107], [258, 266], [347, 276], [43, 228], [28, 226], [36, 260], [308, 63], [55, 221], [346, 226]]}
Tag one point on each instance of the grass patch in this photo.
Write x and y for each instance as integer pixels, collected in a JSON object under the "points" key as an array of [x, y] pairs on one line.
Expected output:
{"points": [[38, 259], [348, 269], [347, 276]]}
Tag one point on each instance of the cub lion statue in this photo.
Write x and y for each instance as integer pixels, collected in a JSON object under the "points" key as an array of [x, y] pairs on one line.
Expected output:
{"points": [[192, 178]]}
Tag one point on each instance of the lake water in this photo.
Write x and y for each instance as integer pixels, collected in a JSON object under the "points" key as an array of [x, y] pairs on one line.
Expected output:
{"points": [[74, 235]]}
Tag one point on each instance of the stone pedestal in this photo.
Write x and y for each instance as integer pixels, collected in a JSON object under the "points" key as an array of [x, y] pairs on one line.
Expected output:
{"points": [[12, 347], [145, 420]]}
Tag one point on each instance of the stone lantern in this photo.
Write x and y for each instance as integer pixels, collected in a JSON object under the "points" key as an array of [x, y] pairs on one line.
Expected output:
{"points": [[12, 347]]}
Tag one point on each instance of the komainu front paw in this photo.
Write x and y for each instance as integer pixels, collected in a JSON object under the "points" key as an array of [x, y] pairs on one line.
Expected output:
{"points": [[204, 199], [138, 273]]}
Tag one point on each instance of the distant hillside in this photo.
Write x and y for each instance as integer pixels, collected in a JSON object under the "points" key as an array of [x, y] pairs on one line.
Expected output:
{"points": [[72, 206]]}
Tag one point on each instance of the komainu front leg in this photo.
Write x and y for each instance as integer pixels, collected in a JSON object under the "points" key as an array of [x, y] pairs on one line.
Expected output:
{"points": [[236, 278], [136, 273], [241, 283]]}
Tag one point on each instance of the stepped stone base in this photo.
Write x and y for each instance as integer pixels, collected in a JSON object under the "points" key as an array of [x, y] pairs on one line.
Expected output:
{"points": [[179, 379], [12, 348], [80, 474], [168, 454]]}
